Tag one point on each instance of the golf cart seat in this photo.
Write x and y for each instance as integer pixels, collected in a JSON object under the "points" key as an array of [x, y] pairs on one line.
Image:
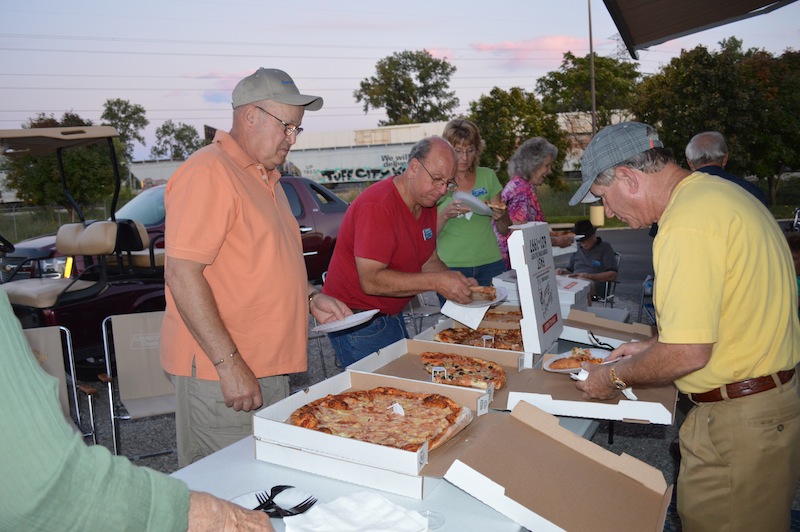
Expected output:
{"points": [[95, 240], [135, 250]]}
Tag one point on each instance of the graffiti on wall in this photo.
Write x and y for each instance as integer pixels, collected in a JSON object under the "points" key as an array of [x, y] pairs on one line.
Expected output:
{"points": [[369, 168]]}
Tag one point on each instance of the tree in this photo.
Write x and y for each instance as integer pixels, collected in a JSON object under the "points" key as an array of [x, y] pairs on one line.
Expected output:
{"points": [[508, 118], [36, 179], [750, 97], [568, 89], [175, 141], [129, 120], [412, 87]]}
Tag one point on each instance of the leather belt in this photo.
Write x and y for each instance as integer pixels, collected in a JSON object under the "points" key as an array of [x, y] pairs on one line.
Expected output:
{"points": [[743, 388]]}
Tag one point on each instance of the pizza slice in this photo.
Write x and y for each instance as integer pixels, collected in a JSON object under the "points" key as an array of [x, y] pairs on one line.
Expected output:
{"points": [[574, 361], [483, 293]]}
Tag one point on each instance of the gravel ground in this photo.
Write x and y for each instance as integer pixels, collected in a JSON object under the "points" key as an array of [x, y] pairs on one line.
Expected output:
{"points": [[649, 443]]}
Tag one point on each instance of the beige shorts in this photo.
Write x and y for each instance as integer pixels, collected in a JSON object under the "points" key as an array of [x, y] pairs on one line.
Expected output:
{"points": [[204, 424]]}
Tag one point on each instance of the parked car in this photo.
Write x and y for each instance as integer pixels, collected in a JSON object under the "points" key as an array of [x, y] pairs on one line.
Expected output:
{"points": [[318, 211]]}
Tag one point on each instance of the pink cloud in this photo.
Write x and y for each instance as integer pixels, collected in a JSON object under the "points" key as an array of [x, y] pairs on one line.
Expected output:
{"points": [[543, 50]]}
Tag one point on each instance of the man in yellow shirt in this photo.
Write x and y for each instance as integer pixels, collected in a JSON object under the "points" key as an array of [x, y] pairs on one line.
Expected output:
{"points": [[728, 332]]}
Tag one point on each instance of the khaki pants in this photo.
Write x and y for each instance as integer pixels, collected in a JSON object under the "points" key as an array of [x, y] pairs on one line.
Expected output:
{"points": [[204, 424], [740, 462]]}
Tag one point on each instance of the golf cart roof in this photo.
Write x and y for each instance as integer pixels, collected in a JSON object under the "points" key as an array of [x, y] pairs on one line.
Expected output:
{"points": [[50, 139]]}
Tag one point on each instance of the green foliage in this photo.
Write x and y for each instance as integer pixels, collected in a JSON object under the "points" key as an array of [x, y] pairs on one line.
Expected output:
{"points": [[128, 119], [36, 178], [175, 141], [508, 118], [750, 97], [412, 87], [568, 89]]}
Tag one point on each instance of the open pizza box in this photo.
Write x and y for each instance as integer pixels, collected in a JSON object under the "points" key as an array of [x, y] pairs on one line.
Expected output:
{"points": [[401, 359], [614, 333], [544, 477], [448, 323], [556, 394], [367, 464]]}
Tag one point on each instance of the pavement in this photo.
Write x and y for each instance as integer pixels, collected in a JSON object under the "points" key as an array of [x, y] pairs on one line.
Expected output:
{"points": [[648, 443]]}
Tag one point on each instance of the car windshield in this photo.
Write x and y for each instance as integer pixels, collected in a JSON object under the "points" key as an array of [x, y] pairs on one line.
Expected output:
{"points": [[147, 207]]}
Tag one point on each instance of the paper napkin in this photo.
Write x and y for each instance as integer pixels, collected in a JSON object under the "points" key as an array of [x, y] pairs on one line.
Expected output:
{"points": [[360, 511], [469, 316]]}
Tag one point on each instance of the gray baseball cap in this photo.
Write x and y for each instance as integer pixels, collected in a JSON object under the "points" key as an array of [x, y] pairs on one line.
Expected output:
{"points": [[611, 146], [272, 84]]}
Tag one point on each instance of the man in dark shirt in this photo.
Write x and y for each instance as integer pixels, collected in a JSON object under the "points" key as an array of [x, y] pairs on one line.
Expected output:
{"points": [[594, 260], [708, 152]]}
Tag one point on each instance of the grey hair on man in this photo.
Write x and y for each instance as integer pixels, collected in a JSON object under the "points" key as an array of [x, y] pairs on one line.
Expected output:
{"points": [[708, 147]]}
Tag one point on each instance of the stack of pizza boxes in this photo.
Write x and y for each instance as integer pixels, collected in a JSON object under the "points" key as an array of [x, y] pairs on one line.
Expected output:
{"points": [[514, 456]]}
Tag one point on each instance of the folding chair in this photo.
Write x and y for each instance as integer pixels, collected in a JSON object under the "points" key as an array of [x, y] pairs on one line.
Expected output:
{"points": [[416, 310], [48, 345], [646, 306], [132, 342], [610, 287]]}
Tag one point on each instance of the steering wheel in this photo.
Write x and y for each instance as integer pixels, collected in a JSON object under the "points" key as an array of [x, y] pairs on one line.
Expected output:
{"points": [[5, 245]]}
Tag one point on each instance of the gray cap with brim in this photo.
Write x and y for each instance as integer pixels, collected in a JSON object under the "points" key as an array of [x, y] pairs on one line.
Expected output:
{"points": [[612, 145], [272, 84]]}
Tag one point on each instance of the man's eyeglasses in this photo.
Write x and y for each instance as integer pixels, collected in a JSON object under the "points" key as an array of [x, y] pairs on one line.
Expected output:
{"points": [[288, 130], [438, 181]]}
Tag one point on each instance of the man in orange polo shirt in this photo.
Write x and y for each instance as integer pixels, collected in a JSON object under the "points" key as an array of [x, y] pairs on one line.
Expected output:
{"points": [[237, 296]]}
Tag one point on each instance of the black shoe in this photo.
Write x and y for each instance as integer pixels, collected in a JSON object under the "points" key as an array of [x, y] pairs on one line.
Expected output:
{"points": [[675, 449]]}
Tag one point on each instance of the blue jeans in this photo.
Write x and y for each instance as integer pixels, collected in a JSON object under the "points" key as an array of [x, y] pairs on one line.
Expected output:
{"points": [[351, 345], [483, 274]]}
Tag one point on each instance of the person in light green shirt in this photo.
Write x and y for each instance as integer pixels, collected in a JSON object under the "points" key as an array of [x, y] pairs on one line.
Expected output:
{"points": [[52, 481], [466, 241]]}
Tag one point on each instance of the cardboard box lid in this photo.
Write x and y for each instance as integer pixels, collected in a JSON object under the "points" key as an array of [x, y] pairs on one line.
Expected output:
{"points": [[537, 472], [556, 394], [580, 321]]}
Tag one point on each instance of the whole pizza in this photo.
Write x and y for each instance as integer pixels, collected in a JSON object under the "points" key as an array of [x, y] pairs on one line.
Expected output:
{"points": [[510, 339], [459, 370], [386, 416]]}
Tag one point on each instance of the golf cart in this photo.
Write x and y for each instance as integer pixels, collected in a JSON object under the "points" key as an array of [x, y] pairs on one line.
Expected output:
{"points": [[104, 279]]}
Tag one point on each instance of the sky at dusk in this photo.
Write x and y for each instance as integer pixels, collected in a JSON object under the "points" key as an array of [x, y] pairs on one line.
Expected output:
{"points": [[180, 59]]}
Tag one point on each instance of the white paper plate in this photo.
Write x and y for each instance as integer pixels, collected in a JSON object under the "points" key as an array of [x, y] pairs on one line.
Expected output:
{"points": [[502, 294], [596, 353], [348, 322], [477, 206], [285, 499]]}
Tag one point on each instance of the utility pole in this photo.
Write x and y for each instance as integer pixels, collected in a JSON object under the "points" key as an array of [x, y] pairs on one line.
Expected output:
{"points": [[591, 72]]}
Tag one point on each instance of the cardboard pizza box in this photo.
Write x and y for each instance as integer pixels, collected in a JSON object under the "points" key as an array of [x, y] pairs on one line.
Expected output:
{"points": [[368, 464], [556, 394], [614, 333], [551, 479], [401, 359], [449, 323]]}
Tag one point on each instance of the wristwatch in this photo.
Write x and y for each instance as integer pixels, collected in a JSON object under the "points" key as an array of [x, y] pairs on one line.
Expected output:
{"points": [[616, 382]]}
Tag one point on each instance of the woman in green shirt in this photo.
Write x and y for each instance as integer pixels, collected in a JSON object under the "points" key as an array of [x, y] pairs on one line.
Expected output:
{"points": [[466, 241]]}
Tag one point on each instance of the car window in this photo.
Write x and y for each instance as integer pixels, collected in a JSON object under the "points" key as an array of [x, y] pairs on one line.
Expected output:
{"points": [[327, 200], [294, 200], [147, 207]]}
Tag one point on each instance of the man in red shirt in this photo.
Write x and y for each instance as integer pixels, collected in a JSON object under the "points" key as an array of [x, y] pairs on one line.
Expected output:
{"points": [[386, 251]]}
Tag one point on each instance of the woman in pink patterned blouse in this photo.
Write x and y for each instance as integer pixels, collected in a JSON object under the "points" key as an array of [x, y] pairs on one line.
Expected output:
{"points": [[529, 165]]}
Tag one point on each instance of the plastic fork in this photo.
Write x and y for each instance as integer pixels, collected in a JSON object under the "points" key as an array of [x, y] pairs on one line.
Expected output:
{"points": [[266, 501], [277, 511]]}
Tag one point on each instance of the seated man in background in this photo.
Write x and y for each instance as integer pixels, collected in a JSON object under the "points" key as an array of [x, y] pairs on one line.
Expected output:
{"points": [[594, 260]]}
